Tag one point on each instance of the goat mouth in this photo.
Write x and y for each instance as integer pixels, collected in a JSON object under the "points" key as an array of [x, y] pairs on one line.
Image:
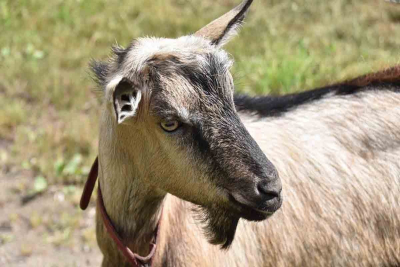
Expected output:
{"points": [[248, 212]]}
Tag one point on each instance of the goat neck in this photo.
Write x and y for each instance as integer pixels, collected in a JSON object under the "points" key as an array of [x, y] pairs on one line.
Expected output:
{"points": [[133, 206]]}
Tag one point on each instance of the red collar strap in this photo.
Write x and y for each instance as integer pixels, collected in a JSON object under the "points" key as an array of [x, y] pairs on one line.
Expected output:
{"points": [[133, 258]]}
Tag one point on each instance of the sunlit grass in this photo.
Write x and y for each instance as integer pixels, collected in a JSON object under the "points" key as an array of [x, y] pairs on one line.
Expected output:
{"points": [[50, 114]]}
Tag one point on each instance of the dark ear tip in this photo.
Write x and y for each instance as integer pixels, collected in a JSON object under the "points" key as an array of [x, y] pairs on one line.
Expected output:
{"points": [[220, 30], [244, 6]]}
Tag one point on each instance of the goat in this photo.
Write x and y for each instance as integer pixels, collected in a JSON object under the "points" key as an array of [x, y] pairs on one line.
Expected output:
{"points": [[174, 140]]}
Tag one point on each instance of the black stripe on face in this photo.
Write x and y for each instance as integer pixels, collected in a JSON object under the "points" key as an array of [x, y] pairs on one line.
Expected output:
{"points": [[200, 143], [202, 147], [232, 154]]}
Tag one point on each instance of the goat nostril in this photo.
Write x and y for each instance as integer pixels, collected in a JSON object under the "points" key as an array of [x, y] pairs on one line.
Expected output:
{"points": [[267, 193]]}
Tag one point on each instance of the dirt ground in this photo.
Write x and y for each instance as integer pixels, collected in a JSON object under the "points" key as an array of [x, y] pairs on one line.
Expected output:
{"points": [[46, 230]]}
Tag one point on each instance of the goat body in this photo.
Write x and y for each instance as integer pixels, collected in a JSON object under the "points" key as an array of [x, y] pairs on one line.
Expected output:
{"points": [[339, 160], [171, 137]]}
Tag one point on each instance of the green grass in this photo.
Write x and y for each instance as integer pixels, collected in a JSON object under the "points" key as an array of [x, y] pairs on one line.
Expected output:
{"points": [[49, 114]]}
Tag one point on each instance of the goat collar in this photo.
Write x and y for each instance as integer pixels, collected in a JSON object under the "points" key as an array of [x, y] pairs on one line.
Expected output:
{"points": [[131, 257]]}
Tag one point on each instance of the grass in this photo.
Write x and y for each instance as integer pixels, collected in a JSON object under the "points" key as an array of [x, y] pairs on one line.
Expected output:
{"points": [[49, 115]]}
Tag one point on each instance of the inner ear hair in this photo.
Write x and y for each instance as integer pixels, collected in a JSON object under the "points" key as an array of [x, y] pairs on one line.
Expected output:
{"points": [[126, 98]]}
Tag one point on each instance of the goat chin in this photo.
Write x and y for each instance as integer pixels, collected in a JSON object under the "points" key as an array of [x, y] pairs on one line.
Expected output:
{"points": [[219, 225]]}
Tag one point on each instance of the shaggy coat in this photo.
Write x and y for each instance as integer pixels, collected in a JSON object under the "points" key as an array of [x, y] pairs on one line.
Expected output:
{"points": [[338, 156], [213, 171]]}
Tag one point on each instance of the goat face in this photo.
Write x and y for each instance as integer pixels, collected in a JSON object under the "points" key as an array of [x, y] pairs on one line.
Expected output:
{"points": [[176, 96]]}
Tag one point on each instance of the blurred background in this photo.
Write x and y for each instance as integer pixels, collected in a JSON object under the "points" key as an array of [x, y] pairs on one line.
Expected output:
{"points": [[49, 113]]}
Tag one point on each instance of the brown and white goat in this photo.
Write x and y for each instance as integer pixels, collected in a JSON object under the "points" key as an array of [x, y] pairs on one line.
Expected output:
{"points": [[172, 142]]}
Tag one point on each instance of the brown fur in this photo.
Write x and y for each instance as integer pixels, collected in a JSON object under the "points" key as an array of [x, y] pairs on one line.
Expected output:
{"points": [[390, 75]]}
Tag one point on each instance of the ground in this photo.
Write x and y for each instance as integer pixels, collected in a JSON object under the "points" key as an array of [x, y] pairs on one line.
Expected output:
{"points": [[48, 230], [49, 111]]}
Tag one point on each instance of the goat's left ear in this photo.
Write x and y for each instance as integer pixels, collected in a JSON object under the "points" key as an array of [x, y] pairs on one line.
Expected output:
{"points": [[220, 31], [125, 98]]}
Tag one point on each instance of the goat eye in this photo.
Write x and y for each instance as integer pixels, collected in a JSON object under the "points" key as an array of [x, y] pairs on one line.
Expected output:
{"points": [[170, 126]]}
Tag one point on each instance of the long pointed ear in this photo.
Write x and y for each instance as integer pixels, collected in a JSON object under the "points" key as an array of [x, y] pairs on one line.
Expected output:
{"points": [[222, 29], [125, 98]]}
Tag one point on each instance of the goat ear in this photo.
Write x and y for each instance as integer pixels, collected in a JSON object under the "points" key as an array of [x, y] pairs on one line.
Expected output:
{"points": [[126, 98], [220, 31]]}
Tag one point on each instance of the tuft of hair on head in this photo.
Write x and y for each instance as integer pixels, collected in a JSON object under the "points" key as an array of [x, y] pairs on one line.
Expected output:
{"points": [[221, 30], [99, 72]]}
